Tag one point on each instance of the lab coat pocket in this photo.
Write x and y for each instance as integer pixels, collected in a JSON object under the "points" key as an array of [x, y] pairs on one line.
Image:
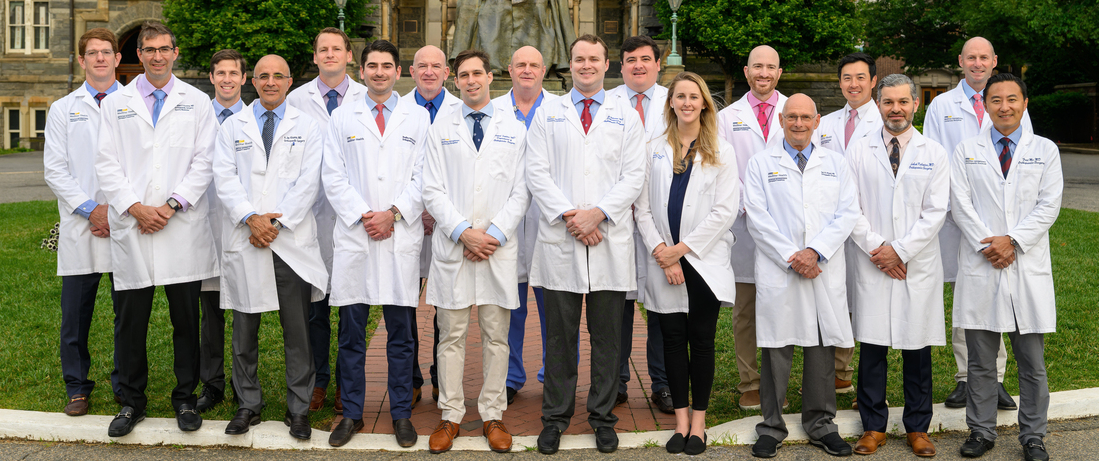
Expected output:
{"points": [[1029, 180], [915, 187], [445, 250], [552, 233], [768, 274], [502, 166], [290, 163], [182, 131]]}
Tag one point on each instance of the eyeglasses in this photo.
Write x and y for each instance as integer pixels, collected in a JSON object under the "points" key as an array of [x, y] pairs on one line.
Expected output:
{"points": [[164, 50], [276, 77], [794, 118], [91, 54]]}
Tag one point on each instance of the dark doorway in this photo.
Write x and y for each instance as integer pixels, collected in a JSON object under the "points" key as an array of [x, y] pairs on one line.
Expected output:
{"points": [[130, 66]]}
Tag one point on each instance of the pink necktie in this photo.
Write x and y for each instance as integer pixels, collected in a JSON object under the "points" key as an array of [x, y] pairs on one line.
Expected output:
{"points": [[980, 108], [380, 119], [640, 110], [850, 129], [761, 117]]}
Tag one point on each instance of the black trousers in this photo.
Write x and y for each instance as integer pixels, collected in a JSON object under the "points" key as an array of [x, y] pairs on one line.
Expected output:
{"points": [[689, 343], [917, 388], [132, 313]]}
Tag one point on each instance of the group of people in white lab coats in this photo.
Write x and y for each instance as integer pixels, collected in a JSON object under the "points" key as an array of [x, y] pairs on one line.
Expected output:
{"points": [[596, 194]]}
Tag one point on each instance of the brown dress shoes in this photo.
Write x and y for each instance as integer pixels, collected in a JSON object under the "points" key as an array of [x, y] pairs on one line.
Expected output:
{"points": [[317, 402], [77, 406], [499, 439], [921, 444], [443, 438], [870, 442]]}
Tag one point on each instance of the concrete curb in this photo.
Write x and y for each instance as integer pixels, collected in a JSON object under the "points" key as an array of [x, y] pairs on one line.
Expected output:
{"points": [[273, 435]]}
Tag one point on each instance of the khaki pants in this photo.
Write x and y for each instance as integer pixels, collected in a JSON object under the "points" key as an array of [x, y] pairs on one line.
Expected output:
{"points": [[453, 327], [744, 334]]}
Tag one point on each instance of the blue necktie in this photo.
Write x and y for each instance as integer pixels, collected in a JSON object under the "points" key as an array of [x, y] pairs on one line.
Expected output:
{"points": [[159, 104], [478, 133], [432, 110], [268, 132], [225, 113], [333, 100]]}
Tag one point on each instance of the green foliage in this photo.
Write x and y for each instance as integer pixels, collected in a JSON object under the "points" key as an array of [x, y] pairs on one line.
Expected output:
{"points": [[255, 28], [802, 31], [917, 118], [1057, 116], [924, 34]]}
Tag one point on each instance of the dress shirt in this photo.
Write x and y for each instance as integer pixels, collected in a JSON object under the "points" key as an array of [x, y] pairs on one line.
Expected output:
{"points": [[341, 89], [578, 101], [218, 108], [529, 117], [437, 102], [902, 139], [1013, 137], [644, 102], [387, 107], [85, 209], [492, 230], [773, 101], [145, 89], [794, 155]]}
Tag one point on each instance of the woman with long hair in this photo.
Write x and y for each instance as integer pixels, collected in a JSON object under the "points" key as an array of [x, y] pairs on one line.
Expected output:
{"points": [[687, 205]]}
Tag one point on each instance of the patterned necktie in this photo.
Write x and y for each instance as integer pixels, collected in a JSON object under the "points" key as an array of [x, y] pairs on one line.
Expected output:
{"points": [[850, 128], [431, 110], [639, 108], [225, 113], [585, 117], [761, 117], [895, 155], [478, 133], [99, 98], [801, 162], [159, 104], [380, 119], [333, 101], [268, 132], [1005, 155], [979, 107]]}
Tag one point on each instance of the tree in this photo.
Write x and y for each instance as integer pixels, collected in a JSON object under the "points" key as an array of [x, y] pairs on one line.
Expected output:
{"points": [[925, 34], [254, 27], [802, 31]]}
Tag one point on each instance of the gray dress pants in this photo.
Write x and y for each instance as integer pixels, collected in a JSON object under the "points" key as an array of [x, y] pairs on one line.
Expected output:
{"points": [[980, 404], [818, 391]]}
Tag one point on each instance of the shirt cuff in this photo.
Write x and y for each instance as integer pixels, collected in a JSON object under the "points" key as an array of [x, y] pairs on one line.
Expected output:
{"points": [[496, 233], [458, 231], [245, 220], [85, 209], [820, 257], [182, 202]]}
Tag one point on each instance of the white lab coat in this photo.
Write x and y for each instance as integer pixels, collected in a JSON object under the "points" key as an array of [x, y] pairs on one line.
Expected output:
{"points": [[528, 228], [286, 183], [787, 212], [364, 171], [654, 126], [138, 163], [309, 99], [737, 124], [216, 217], [709, 208], [450, 104], [949, 120], [907, 211], [568, 169], [830, 133], [484, 188], [72, 133], [1024, 206]]}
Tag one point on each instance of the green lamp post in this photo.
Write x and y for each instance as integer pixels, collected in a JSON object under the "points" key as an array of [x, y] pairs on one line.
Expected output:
{"points": [[674, 59], [341, 4]]}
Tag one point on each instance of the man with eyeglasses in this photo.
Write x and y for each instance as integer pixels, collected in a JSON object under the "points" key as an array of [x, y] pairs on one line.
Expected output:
{"points": [[153, 165], [84, 249]]}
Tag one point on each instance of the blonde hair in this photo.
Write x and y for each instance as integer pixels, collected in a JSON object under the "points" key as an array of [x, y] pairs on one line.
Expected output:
{"points": [[706, 146]]}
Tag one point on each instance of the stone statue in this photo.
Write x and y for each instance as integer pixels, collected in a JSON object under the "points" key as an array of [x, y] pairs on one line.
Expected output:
{"points": [[499, 27]]}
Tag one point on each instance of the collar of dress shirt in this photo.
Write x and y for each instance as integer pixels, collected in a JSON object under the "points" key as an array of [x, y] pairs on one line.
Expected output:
{"points": [[341, 88], [259, 110], [145, 89], [968, 90], [1015, 136], [93, 91], [772, 100], [794, 152], [902, 139], [437, 100], [234, 108]]}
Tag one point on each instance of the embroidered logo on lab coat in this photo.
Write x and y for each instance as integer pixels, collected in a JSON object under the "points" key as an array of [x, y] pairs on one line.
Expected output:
{"points": [[354, 138], [741, 126], [242, 145], [448, 141], [826, 139], [973, 161], [125, 113], [78, 117], [184, 107], [951, 118], [551, 118], [777, 176]]}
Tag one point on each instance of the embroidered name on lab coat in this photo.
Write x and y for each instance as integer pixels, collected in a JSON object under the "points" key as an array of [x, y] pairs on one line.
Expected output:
{"points": [[1031, 161], [125, 113], [78, 117], [923, 166], [184, 107], [504, 139], [614, 120], [293, 139], [408, 140], [828, 174], [448, 141], [776, 176]]}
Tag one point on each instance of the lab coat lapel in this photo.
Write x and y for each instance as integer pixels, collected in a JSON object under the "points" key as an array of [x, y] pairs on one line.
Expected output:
{"points": [[366, 117], [396, 117], [171, 101], [785, 161], [747, 114], [570, 113], [915, 146], [137, 104], [463, 131], [880, 152]]}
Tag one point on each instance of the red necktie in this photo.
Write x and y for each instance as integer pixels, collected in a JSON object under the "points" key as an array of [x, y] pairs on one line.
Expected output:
{"points": [[761, 117], [380, 119], [640, 109], [99, 98], [979, 107], [585, 117], [1005, 155]]}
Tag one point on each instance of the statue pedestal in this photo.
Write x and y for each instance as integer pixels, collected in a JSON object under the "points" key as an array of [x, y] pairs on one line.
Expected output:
{"points": [[669, 74]]}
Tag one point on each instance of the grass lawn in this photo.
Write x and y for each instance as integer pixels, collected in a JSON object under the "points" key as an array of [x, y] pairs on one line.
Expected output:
{"points": [[30, 377]]}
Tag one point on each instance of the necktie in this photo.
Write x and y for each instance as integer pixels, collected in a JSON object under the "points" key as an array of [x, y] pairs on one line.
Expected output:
{"points": [[225, 113], [159, 104], [801, 162], [432, 110], [762, 118], [850, 128], [478, 133], [1005, 155], [99, 98], [268, 132], [380, 119], [333, 101], [895, 156], [640, 109], [979, 107], [585, 117]]}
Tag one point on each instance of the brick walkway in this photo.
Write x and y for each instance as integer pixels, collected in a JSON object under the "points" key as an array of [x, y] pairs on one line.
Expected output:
{"points": [[523, 417]]}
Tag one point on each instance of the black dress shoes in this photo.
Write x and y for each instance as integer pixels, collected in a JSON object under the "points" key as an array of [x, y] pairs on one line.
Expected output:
{"points": [[299, 426], [832, 444], [343, 431], [242, 421], [187, 418], [549, 440], [209, 397], [975, 446], [676, 443], [1035, 450], [1004, 400], [622, 398], [956, 399], [405, 432], [124, 422], [765, 447], [606, 440], [511, 394], [695, 445], [663, 400]]}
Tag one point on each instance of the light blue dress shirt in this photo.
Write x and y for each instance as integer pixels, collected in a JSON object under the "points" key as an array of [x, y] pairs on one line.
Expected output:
{"points": [[529, 117], [578, 101], [218, 108], [793, 153], [387, 107], [644, 102], [1014, 137]]}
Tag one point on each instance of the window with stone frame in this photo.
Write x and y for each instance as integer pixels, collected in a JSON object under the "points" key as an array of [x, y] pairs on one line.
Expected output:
{"points": [[28, 26]]}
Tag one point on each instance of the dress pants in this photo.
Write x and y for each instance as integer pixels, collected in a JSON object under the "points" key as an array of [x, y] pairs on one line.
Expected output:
{"points": [[980, 404], [132, 312], [211, 369], [654, 349], [320, 337], [399, 346], [517, 330], [417, 374], [453, 327], [818, 392], [77, 306], [961, 352], [689, 343], [293, 295], [917, 378], [604, 316], [744, 337]]}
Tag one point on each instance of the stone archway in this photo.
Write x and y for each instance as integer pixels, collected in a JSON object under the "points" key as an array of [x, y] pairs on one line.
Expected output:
{"points": [[126, 25]]}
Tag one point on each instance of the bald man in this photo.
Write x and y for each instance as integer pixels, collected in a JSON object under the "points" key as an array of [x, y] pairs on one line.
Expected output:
{"points": [[801, 208], [271, 259]]}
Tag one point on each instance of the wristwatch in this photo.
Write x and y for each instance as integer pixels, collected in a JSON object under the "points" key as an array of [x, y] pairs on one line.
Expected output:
{"points": [[1013, 242], [396, 214], [278, 225], [172, 202]]}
